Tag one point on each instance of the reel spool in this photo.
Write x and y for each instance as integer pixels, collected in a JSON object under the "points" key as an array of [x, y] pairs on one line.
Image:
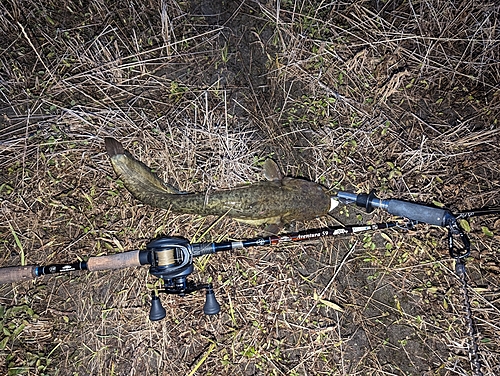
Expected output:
{"points": [[171, 259]]}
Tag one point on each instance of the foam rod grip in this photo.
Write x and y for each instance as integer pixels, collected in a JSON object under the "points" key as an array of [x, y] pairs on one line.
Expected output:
{"points": [[17, 273], [419, 213], [117, 261]]}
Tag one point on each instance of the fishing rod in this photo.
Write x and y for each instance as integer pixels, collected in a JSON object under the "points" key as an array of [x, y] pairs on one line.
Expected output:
{"points": [[171, 259]]}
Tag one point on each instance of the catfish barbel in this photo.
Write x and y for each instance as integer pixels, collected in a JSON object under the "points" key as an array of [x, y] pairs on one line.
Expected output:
{"points": [[275, 201]]}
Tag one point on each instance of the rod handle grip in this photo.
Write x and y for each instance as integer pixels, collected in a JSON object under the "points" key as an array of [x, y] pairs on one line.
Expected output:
{"points": [[17, 273], [419, 213], [116, 261]]}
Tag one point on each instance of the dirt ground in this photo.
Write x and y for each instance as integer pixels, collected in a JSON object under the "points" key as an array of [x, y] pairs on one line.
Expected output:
{"points": [[398, 96]]}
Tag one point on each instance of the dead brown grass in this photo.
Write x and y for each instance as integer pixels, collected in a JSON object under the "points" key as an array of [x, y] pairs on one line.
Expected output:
{"points": [[398, 96]]}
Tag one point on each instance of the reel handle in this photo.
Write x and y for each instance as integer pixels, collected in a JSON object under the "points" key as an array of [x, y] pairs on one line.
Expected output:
{"points": [[212, 306], [157, 312]]}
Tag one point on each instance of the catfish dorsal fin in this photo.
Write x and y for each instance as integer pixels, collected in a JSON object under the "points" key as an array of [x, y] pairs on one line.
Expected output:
{"points": [[271, 170]]}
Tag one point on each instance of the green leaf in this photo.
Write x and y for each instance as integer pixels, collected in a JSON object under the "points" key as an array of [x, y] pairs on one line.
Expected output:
{"points": [[3, 343], [19, 245], [487, 231], [18, 371], [18, 330], [438, 204], [465, 225]]}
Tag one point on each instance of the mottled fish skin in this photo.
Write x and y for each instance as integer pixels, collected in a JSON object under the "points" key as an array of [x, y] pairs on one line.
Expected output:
{"points": [[272, 202]]}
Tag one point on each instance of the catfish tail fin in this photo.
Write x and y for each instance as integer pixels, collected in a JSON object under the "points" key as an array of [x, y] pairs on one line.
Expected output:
{"points": [[138, 178], [113, 147]]}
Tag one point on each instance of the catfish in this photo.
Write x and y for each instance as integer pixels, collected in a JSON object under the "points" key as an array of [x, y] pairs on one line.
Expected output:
{"points": [[278, 200]]}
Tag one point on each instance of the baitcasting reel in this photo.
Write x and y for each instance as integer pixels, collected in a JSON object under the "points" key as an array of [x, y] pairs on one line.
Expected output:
{"points": [[171, 259]]}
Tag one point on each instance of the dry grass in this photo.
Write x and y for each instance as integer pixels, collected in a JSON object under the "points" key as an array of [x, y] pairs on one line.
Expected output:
{"points": [[398, 96]]}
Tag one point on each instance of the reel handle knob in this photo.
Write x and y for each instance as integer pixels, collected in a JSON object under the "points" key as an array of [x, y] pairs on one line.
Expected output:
{"points": [[157, 311], [212, 306]]}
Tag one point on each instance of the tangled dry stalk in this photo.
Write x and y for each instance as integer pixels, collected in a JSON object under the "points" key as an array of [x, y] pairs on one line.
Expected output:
{"points": [[399, 96]]}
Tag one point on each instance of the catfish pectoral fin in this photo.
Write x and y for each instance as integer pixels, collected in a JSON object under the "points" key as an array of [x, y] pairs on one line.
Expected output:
{"points": [[261, 221]]}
